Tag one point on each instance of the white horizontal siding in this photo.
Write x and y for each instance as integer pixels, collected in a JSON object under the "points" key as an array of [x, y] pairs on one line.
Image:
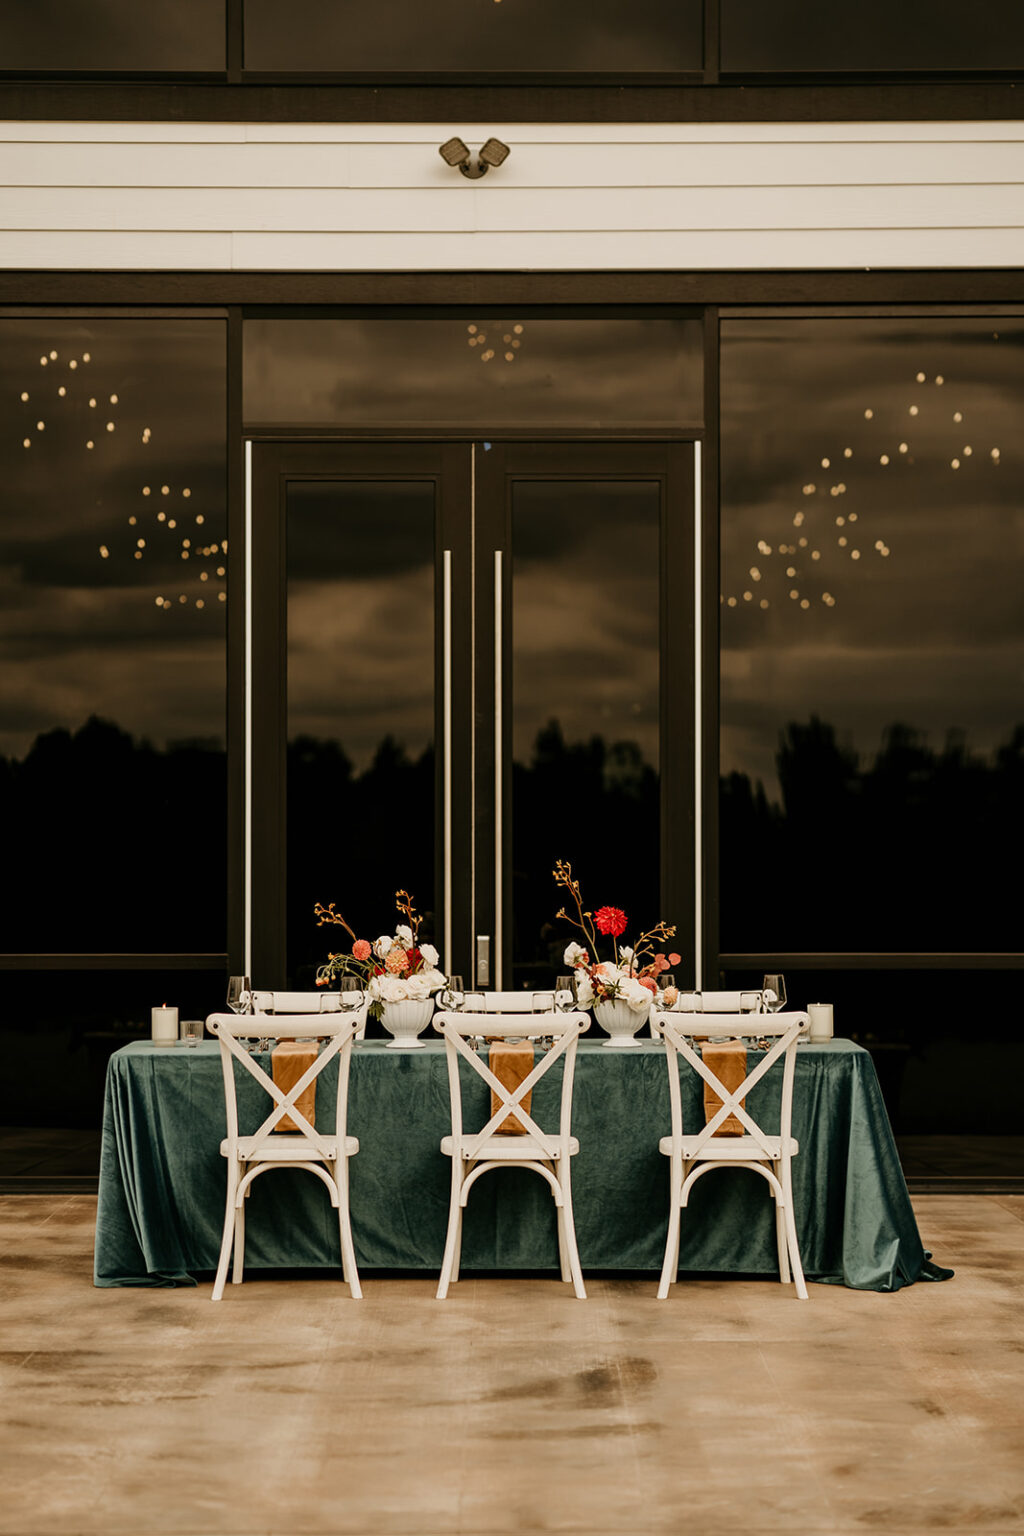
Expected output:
{"points": [[571, 196]]}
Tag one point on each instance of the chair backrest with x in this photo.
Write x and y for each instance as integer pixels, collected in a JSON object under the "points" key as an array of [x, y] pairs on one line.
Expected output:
{"points": [[564, 1029], [337, 1029], [681, 1032]]}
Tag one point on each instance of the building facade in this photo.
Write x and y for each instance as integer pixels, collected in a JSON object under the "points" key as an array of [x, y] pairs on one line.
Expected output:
{"points": [[653, 501]]}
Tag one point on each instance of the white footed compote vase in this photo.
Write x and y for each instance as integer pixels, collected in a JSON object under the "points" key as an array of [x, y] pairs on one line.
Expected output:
{"points": [[621, 1021], [406, 1021]]}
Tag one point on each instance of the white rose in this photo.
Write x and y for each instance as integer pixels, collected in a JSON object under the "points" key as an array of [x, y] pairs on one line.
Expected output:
{"points": [[389, 989], [625, 955], [584, 991], [637, 996], [429, 954], [573, 955], [434, 979], [382, 945], [418, 986], [403, 934]]}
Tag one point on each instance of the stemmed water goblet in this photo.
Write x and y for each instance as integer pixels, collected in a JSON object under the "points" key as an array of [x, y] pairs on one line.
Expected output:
{"points": [[453, 994], [774, 991], [239, 994]]}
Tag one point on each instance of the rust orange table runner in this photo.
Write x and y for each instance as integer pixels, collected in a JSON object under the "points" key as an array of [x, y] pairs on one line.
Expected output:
{"points": [[511, 1061], [728, 1061], [288, 1061]]}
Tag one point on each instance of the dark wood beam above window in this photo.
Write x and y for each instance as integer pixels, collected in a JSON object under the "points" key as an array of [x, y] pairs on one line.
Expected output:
{"points": [[162, 101]]}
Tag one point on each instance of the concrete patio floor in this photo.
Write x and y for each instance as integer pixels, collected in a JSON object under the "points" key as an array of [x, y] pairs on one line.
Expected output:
{"points": [[290, 1410]]}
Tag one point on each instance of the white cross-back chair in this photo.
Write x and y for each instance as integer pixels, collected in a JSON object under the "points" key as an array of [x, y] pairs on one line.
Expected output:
{"points": [[696, 1151], [266, 1001], [323, 1153], [474, 1153]]}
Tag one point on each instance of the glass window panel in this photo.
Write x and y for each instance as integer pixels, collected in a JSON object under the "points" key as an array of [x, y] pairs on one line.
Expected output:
{"points": [[872, 633], [954, 1106], [585, 717], [360, 708], [497, 372], [48, 36], [485, 36], [58, 1031], [796, 35], [112, 635]]}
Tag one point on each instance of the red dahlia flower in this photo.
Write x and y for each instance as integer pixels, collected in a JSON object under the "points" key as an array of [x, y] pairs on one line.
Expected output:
{"points": [[610, 920]]}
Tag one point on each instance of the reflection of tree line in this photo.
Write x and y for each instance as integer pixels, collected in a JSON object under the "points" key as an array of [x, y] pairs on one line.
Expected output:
{"points": [[903, 852], [111, 843]]}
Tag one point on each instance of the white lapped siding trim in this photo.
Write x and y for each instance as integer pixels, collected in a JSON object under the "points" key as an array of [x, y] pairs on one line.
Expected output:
{"points": [[364, 197]]}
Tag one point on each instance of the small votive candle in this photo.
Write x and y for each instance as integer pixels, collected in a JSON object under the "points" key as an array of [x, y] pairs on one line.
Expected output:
{"points": [[820, 1015], [165, 1025]]}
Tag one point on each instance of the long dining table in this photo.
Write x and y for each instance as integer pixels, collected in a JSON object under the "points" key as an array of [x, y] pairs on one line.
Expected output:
{"points": [[162, 1178]]}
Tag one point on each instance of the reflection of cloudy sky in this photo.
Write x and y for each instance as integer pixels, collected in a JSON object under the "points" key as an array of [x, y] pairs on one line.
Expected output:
{"points": [[112, 34], [585, 612], [361, 613], [931, 634], [421, 372], [476, 35], [81, 634]]}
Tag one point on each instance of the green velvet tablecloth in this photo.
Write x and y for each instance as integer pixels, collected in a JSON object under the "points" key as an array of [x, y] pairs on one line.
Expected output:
{"points": [[162, 1178]]}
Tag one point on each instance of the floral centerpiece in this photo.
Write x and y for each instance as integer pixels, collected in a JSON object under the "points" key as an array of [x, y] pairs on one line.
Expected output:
{"points": [[394, 968], [630, 978]]}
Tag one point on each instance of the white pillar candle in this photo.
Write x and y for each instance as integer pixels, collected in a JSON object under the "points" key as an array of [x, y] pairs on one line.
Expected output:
{"points": [[820, 1015], [165, 1025]]}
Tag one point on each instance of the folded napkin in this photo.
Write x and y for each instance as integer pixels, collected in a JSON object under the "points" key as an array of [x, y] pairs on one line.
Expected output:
{"points": [[288, 1060], [287, 1002], [728, 1061], [747, 1001], [511, 1061]]}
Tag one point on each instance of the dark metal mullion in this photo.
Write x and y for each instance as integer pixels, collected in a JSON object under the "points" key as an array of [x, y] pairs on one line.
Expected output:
{"points": [[269, 723], [710, 645], [676, 757], [866, 961], [234, 52], [120, 962], [712, 35]]}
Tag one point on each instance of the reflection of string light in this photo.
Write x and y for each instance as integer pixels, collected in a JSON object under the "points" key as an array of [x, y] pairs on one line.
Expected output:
{"points": [[511, 341], [140, 548], [810, 489]]}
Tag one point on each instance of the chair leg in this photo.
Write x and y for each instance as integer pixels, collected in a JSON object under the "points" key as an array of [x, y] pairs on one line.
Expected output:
{"points": [[781, 1237], [454, 1225], [457, 1259], [229, 1232], [563, 1248], [348, 1252], [670, 1268], [794, 1249], [239, 1264], [569, 1228]]}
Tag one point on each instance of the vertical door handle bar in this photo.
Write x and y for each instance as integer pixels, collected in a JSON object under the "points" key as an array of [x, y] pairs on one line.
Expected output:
{"points": [[698, 710], [247, 723], [499, 934], [446, 751]]}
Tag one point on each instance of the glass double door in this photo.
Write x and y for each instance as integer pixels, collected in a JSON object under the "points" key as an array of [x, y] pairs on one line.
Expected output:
{"points": [[469, 660]]}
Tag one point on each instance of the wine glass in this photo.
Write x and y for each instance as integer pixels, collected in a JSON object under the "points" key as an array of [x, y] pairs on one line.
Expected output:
{"points": [[774, 991], [453, 994], [350, 993], [239, 994], [565, 993]]}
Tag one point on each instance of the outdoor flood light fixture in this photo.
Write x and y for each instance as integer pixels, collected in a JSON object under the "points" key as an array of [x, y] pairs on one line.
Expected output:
{"points": [[454, 152]]}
